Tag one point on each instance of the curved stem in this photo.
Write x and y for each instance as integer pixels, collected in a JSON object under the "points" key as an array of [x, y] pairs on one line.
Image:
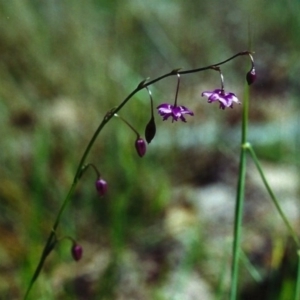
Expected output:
{"points": [[51, 239], [128, 124], [175, 72], [95, 169]]}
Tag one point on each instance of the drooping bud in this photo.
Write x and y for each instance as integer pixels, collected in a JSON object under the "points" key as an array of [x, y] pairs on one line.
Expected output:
{"points": [[101, 186], [150, 130], [140, 147], [251, 76], [76, 251]]}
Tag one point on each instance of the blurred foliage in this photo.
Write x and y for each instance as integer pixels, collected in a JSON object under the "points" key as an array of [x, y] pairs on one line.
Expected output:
{"points": [[63, 65]]}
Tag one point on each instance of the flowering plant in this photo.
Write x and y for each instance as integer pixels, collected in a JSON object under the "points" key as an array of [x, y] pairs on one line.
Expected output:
{"points": [[175, 112]]}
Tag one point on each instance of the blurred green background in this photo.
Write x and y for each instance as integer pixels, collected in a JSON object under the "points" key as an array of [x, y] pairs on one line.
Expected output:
{"points": [[164, 230]]}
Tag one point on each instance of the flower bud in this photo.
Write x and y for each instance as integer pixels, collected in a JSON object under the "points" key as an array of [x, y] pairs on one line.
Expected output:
{"points": [[251, 76], [140, 147], [101, 186], [150, 130], [76, 252]]}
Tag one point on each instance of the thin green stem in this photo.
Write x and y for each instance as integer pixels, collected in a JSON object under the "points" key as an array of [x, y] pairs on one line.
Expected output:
{"points": [[128, 124], [45, 253], [272, 195], [251, 269], [177, 90], [238, 225], [297, 292], [51, 241], [144, 84], [239, 200], [151, 101]]}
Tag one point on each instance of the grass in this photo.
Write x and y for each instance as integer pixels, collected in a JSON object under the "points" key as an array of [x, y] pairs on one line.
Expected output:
{"points": [[62, 67]]}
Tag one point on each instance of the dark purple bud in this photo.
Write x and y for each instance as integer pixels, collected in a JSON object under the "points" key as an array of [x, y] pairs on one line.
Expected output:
{"points": [[251, 76], [101, 186], [140, 147], [150, 130], [76, 252]]}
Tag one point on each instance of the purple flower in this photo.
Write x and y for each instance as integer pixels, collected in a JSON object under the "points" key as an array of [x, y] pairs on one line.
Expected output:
{"points": [[251, 76], [76, 252], [167, 110], [101, 186], [140, 147], [225, 99]]}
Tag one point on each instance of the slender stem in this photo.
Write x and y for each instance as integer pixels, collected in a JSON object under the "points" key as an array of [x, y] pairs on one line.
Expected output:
{"points": [[144, 84], [239, 200], [128, 124], [238, 224], [221, 76], [51, 241], [222, 80], [251, 269], [176, 71], [106, 119], [297, 292], [151, 101], [94, 168], [252, 60], [272, 195], [177, 90], [40, 265]]}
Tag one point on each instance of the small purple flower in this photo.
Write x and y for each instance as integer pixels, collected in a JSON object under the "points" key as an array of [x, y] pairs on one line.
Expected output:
{"points": [[101, 186], [140, 147], [225, 99], [167, 110], [76, 252], [251, 76]]}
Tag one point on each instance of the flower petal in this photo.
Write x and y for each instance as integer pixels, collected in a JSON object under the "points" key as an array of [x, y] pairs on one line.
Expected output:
{"points": [[166, 116], [213, 97], [165, 108], [176, 112], [185, 110], [225, 99], [233, 97], [207, 94], [182, 118]]}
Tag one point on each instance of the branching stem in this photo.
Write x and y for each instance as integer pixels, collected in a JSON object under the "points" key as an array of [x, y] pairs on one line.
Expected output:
{"points": [[51, 241]]}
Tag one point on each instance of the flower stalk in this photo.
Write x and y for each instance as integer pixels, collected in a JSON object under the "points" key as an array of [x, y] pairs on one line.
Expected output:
{"points": [[175, 111], [238, 218], [140, 144], [51, 240]]}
